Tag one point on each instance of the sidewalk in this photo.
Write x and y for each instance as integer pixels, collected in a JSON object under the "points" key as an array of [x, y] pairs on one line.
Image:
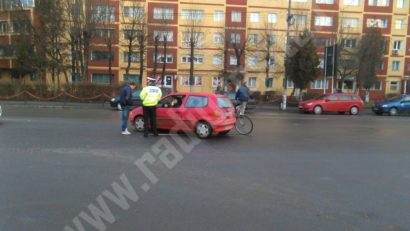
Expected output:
{"points": [[68, 105]]}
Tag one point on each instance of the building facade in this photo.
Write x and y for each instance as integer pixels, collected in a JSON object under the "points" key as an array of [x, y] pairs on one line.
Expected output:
{"points": [[235, 36]]}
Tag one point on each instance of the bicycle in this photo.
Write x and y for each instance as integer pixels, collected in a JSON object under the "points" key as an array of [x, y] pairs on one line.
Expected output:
{"points": [[243, 124]]}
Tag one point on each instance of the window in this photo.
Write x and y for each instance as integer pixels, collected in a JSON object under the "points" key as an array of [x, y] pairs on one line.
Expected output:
{"points": [[219, 16], [4, 27], [197, 37], [272, 39], [254, 17], [377, 86], [131, 33], [350, 22], [19, 27], [102, 56], [102, 78], [233, 60], [216, 82], [300, 19], [349, 43], [162, 59], [272, 18], [380, 66], [394, 86], [192, 14], [396, 65], [253, 39], [132, 12], [164, 13], [400, 4], [325, 1], [236, 16], [321, 41], [224, 102], [252, 82], [333, 98], [379, 3], [198, 59], [269, 83], [104, 13], [399, 24], [218, 38], [317, 84], [290, 84], [271, 61], [377, 22], [196, 102], [13, 4], [397, 45], [197, 81], [408, 67], [169, 35], [323, 21], [351, 2], [252, 61], [135, 57], [104, 33], [235, 38], [217, 60]]}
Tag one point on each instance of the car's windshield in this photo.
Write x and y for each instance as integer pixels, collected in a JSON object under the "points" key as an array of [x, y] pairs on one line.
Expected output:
{"points": [[395, 98], [136, 94]]}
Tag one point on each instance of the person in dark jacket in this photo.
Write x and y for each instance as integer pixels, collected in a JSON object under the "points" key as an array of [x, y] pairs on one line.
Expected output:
{"points": [[126, 103], [242, 95]]}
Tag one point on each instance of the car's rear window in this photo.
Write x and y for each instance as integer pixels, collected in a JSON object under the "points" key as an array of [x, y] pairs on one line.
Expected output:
{"points": [[196, 102], [224, 102], [355, 98]]}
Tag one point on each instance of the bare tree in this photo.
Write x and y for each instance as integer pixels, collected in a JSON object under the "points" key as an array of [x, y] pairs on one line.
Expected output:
{"points": [[82, 19], [192, 38], [269, 44], [135, 35]]}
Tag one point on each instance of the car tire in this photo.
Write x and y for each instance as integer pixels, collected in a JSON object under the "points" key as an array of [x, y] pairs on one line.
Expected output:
{"points": [[317, 110], [354, 110], [393, 111], [203, 130], [139, 123]]}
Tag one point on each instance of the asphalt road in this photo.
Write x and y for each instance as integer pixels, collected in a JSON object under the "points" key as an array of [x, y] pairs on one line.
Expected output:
{"points": [[295, 172]]}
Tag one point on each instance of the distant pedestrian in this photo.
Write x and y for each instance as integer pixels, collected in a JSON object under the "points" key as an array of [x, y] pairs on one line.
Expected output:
{"points": [[242, 95], [150, 96], [126, 103]]}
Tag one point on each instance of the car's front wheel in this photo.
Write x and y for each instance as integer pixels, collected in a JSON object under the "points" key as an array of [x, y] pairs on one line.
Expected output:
{"points": [[317, 110], [354, 110], [393, 111], [139, 123], [203, 130]]}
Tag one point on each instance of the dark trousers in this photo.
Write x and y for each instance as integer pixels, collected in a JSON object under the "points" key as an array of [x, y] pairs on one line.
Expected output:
{"points": [[150, 113]]}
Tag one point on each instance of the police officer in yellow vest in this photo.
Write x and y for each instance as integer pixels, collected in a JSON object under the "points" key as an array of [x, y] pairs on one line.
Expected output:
{"points": [[150, 96]]}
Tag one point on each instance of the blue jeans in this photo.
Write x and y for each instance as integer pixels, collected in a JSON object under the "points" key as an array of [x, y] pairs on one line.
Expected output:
{"points": [[125, 114]]}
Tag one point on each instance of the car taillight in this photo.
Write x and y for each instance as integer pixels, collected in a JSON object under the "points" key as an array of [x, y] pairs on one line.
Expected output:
{"points": [[217, 113]]}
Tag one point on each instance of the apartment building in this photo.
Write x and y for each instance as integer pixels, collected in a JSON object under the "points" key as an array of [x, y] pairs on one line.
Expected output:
{"points": [[245, 36]]}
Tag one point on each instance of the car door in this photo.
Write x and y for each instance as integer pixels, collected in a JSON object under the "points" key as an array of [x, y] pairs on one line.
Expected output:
{"points": [[193, 110], [405, 104], [169, 113], [331, 103], [345, 102]]}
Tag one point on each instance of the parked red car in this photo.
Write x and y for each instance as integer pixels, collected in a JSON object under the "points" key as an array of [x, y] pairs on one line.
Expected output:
{"points": [[339, 102], [202, 113]]}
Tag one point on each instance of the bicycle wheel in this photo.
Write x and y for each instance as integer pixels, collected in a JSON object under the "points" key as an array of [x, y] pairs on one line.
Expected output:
{"points": [[244, 125]]}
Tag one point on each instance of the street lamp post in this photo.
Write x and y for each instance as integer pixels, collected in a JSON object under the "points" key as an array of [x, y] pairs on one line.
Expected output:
{"points": [[285, 79]]}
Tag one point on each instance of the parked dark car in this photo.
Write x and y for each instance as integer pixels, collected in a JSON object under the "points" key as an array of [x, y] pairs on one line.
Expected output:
{"points": [[231, 96], [393, 106], [136, 101]]}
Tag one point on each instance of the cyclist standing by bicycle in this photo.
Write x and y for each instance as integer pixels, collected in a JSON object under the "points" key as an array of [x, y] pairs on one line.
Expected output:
{"points": [[242, 95]]}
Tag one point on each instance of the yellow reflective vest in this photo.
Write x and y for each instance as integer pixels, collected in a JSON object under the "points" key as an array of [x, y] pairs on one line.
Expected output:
{"points": [[150, 95]]}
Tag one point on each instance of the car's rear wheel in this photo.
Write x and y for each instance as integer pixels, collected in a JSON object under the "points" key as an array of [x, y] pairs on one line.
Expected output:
{"points": [[354, 110], [317, 110], [139, 123], [393, 111], [203, 130]]}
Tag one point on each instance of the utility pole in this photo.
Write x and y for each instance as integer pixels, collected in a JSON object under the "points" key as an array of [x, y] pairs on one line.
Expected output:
{"points": [[285, 79]]}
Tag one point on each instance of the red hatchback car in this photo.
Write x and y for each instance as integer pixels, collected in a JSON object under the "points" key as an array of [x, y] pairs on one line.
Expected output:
{"points": [[339, 102], [202, 113]]}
